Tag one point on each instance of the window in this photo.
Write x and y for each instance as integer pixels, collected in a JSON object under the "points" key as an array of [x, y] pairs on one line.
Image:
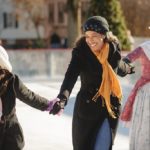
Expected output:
{"points": [[85, 7], [61, 11], [10, 20], [57, 13], [51, 13]]}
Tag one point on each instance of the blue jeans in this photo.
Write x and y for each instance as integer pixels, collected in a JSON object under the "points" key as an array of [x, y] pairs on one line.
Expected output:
{"points": [[103, 139]]}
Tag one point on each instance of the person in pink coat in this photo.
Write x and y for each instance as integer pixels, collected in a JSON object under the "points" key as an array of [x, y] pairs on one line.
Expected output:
{"points": [[137, 106]]}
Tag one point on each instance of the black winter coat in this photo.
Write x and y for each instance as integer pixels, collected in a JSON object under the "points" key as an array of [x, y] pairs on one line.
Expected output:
{"points": [[89, 115], [11, 135]]}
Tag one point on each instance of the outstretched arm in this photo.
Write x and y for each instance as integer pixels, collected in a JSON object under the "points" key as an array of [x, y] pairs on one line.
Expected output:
{"points": [[120, 66], [28, 96], [68, 83], [125, 67]]}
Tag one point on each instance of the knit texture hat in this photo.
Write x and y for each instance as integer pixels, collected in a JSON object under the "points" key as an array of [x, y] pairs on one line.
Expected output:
{"points": [[4, 60], [96, 23]]}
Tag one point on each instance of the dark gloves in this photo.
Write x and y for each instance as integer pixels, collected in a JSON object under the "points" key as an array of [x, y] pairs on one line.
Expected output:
{"points": [[51, 104], [58, 107], [131, 67]]}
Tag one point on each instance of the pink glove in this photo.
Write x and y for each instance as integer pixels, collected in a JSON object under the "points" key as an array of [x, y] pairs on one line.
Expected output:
{"points": [[60, 112], [52, 103]]}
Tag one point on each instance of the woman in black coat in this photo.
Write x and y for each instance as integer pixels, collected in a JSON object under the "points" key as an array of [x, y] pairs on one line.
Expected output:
{"points": [[11, 87], [96, 59]]}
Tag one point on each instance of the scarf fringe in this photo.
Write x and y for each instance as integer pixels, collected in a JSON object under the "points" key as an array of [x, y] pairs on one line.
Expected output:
{"points": [[111, 113]]}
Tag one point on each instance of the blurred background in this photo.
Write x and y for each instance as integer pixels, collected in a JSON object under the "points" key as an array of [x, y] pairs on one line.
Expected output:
{"points": [[39, 35]]}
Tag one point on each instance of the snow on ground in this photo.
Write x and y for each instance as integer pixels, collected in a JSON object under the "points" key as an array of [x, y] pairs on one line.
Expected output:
{"points": [[47, 132]]}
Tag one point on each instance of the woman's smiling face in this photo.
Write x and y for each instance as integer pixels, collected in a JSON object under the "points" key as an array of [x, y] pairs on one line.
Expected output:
{"points": [[94, 40]]}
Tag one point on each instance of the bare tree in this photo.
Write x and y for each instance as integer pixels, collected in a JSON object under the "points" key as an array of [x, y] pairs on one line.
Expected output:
{"points": [[74, 19], [35, 11]]}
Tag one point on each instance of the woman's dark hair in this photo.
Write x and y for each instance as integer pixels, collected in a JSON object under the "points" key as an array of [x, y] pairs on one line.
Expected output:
{"points": [[110, 37], [4, 79]]}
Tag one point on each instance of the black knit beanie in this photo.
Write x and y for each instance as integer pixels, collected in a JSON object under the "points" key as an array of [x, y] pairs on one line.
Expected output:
{"points": [[96, 23]]}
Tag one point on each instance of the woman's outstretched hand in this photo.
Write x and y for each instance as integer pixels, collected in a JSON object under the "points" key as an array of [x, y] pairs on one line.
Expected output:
{"points": [[58, 107], [131, 69]]}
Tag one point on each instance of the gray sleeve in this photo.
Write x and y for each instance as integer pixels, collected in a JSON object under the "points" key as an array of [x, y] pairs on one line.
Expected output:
{"points": [[29, 97]]}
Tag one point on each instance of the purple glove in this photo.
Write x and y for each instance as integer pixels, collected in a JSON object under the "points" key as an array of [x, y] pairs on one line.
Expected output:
{"points": [[60, 112], [52, 103]]}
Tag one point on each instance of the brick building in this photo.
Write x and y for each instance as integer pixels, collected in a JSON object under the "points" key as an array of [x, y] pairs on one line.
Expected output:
{"points": [[17, 33]]}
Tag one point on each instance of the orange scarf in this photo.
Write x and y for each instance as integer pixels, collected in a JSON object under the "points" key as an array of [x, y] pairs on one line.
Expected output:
{"points": [[110, 84]]}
